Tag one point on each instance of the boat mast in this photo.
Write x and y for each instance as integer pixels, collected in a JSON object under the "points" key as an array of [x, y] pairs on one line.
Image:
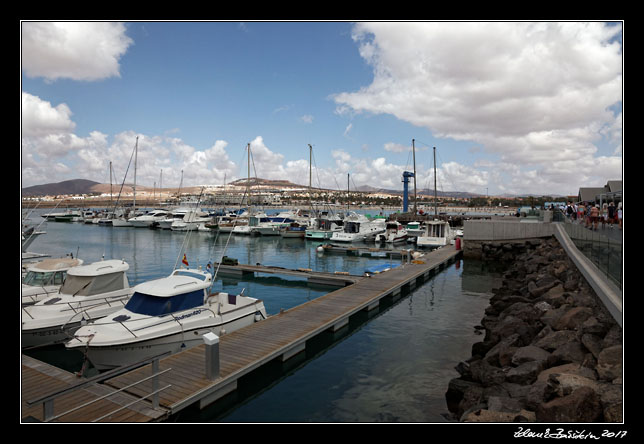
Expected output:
{"points": [[348, 196], [310, 163], [136, 155], [435, 198], [413, 149], [248, 180], [110, 183]]}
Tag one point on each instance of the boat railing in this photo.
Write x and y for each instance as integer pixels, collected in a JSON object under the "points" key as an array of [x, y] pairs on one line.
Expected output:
{"points": [[169, 318], [48, 399], [81, 306]]}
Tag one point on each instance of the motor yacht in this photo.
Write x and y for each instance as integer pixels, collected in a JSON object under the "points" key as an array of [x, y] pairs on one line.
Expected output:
{"points": [[192, 220], [45, 278], [89, 292], [323, 227], [359, 228], [147, 220], [436, 233], [394, 232], [170, 314]]}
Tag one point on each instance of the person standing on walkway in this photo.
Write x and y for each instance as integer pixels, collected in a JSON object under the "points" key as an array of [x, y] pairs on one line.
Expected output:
{"points": [[620, 214], [594, 217], [611, 214], [604, 214]]}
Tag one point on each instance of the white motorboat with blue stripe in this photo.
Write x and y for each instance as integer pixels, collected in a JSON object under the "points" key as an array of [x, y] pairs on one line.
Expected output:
{"points": [[170, 314]]}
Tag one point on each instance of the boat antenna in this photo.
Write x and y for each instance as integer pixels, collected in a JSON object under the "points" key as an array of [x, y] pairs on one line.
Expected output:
{"points": [[413, 149], [435, 197]]}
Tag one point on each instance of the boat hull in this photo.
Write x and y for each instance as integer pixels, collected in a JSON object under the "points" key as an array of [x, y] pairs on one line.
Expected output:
{"points": [[48, 335], [318, 234], [112, 356]]}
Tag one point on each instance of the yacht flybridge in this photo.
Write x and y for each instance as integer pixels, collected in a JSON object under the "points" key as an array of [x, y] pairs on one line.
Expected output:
{"points": [[89, 292], [168, 314]]}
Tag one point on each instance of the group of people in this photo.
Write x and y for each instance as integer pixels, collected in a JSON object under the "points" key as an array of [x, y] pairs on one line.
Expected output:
{"points": [[592, 214]]}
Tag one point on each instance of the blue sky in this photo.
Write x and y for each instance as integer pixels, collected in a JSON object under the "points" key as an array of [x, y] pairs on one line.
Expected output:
{"points": [[511, 107]]}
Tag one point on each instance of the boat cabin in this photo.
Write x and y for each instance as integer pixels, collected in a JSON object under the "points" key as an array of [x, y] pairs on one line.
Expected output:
{"points": [[180, 291], [49, 272], [436, 229], [97, 278]]}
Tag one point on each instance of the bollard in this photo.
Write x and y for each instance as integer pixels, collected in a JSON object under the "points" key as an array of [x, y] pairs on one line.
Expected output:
{"points": [[212, 355]]}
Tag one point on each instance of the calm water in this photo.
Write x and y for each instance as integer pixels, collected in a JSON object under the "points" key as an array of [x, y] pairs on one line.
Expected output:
{"points": [[392, 365]]}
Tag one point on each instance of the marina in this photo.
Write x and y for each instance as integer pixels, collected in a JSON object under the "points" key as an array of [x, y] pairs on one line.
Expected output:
{"points": [[351, 284], [280, 336]]}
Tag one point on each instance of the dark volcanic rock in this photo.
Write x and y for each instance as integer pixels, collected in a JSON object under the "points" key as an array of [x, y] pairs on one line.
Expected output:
{"points": [[551, 352]]}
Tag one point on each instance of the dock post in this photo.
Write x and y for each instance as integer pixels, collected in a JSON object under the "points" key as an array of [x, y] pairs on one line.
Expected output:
{"points": [[212, 355]]}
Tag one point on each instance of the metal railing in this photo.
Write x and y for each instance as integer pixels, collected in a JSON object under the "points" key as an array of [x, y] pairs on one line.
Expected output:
{"points": [[603, 247], [48, 399]]}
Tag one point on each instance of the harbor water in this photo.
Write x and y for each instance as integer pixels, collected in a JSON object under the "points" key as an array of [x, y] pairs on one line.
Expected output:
{"points": [[391, 365]]}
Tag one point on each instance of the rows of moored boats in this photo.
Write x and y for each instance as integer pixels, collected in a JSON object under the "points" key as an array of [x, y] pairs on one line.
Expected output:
{"points": [[95, 310], [91, 307], [339, 227]]}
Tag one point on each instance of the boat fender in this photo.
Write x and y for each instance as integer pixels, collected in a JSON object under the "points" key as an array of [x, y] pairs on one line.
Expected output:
{"points": [[320, 249]]}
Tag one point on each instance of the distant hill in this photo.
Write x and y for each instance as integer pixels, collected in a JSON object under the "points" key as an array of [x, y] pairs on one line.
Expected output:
{"points": [[256, 181], [83, 186], [76, 186]]}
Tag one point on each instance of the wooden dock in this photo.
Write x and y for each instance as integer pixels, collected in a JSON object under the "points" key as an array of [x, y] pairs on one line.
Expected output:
{"points": [[281, 336], [38, 380], [313, 277]]}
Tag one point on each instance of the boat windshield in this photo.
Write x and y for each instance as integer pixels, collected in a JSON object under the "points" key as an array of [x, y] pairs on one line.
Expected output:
{"points": [[149, 305], [39, 278]]}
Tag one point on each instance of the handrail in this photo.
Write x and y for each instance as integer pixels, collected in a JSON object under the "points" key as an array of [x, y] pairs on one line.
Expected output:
{"points": [[48, 399]]}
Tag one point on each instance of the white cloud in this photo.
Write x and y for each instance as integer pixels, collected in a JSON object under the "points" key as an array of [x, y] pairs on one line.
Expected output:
{"points": [[40, 118], [531, 93], [307, 118], [51, 152], [75, 50]]}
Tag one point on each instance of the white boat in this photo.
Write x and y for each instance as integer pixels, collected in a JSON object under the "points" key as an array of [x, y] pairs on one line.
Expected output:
{"points": [[44, 278], [394, 232], [359, 228], [414, 229], [168, 314], [323, 227], [149, 219], [193, 220], [89, 292], [174, 215], [436, 233], [263, 225]]}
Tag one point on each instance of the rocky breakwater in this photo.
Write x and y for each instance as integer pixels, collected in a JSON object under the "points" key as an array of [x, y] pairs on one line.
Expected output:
{"points": [[551, 352]]}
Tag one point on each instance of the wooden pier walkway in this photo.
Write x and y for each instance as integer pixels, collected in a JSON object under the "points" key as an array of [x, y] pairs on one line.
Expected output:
{"points": [[281, 336], [39, 379], [314, 277]]}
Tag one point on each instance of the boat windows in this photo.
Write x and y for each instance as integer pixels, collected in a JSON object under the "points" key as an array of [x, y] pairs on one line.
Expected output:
{"points": [[40, 279], [149, 305], [352, 227]]}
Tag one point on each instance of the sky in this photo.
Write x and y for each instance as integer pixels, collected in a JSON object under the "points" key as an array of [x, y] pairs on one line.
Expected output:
{"points": [[511, 107]]}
